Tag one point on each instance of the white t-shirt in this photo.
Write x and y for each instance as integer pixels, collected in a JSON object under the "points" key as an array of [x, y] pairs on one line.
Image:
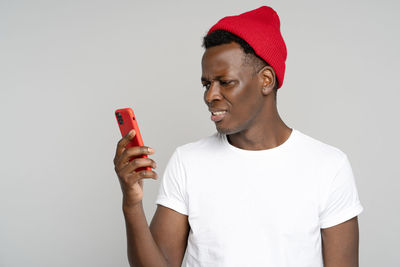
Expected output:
{"points": [[259, 207]]}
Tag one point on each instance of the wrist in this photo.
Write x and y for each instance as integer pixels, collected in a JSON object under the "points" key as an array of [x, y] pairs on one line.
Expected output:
{"points": [[129, 206]]}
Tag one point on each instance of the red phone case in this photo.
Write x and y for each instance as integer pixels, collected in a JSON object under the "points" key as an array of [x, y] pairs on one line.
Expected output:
{"points": [[127, 121]]}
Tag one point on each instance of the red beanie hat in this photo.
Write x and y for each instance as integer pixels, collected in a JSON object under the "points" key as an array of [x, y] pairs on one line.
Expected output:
{"points": [[260, 28]]}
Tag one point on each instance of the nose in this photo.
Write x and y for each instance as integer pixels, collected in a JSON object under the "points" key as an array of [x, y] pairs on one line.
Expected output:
{"points": [[213, 93]]}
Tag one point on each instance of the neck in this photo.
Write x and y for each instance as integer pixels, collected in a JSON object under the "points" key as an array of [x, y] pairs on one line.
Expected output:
{"points": [[266, 132]]}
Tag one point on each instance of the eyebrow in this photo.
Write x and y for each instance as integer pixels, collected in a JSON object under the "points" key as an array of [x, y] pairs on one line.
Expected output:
{"points": [[203, 79]]}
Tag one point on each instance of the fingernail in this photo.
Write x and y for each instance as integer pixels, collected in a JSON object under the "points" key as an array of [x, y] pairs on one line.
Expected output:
{"points": [[131, 132], [150, 150]]}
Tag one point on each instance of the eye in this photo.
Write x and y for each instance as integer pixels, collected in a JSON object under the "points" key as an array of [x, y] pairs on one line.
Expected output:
{"points": [[206, 85], [225, 83]]}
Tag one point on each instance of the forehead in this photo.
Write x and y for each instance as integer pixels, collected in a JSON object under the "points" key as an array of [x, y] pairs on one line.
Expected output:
{"points": [[222, 59]]}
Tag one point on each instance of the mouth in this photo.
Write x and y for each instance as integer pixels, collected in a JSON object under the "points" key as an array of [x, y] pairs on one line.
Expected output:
{"points": [[218, 116]]}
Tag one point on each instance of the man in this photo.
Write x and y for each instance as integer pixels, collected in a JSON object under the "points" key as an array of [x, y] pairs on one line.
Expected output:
{"points": [[255, 193]]}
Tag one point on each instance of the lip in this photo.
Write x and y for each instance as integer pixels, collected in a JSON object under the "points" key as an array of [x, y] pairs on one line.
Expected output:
{"points": [[217, 118], [216, 109]]}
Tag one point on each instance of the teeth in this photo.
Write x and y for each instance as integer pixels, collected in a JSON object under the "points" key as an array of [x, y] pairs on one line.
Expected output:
{"points": [[218, 112]]}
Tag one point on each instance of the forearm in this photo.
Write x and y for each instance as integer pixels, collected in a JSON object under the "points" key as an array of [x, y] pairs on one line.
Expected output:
{"points": [[142, 249]]}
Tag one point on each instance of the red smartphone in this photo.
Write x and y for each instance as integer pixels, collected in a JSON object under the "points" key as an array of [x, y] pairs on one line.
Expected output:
{"points": [[127, 121]]}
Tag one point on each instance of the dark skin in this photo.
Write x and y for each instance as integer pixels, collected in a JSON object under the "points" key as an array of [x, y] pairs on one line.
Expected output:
{"points": [[162, 244], [252, 123], [340, 244]]}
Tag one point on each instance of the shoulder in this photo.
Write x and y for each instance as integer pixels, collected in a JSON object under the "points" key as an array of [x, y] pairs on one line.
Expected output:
{"points": [[204, 143], [319, 152], [200, 147]]}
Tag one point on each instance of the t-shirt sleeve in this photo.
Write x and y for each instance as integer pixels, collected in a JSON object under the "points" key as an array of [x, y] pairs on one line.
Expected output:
{"points": [[341, 202], [172, 190]]}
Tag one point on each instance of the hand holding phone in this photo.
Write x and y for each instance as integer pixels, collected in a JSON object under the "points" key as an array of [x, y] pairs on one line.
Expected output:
{"points": [[127, 121], [131, 161]]}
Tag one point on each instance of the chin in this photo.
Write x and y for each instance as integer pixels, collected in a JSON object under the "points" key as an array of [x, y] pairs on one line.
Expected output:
{"points": [[224, 130]]}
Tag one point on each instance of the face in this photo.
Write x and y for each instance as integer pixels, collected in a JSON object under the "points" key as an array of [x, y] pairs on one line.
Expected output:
{"points": [[232, 87]]}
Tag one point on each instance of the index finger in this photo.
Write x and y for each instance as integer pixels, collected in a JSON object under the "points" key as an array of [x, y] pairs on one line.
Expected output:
{"points": [[123, 142]]}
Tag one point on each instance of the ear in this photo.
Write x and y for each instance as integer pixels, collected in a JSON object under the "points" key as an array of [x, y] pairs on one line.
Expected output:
{"points": [[267, 79]]}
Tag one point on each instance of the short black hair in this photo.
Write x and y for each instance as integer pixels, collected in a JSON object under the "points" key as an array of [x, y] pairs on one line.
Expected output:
{"points": [[219, 37]]}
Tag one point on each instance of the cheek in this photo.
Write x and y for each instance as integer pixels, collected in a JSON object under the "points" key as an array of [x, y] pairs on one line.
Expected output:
{"points": [[245, 100]]}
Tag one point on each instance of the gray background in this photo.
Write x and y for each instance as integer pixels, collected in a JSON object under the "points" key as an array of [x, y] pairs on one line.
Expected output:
{"points": [[65, 66]]}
